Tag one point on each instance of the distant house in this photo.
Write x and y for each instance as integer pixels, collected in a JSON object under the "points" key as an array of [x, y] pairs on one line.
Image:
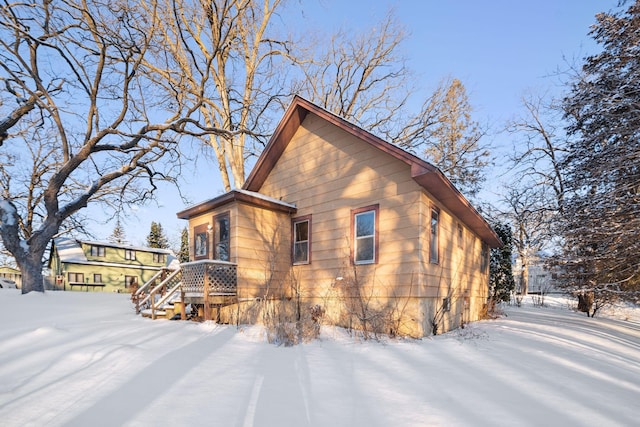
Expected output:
{"points": [[11, 274], [82, 265], [333, 216], [541, 278]]}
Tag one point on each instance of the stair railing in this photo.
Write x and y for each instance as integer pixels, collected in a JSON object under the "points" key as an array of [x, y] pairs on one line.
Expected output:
{"points": [[141, 293], [157, 305], [150, 297]]}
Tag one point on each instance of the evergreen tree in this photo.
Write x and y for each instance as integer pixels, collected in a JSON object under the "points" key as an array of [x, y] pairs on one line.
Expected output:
{"points": [[118, 236], [156, 237], [601, 213], [501, 282], [183, 255]]}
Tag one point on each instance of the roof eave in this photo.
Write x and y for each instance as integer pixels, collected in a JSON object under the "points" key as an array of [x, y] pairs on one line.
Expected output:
{"points": [[444, 191], [234, 196]]}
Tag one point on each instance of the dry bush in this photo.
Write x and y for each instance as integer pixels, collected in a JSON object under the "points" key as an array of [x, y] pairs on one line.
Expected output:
{"points": [[491, 310], [286, 324]]}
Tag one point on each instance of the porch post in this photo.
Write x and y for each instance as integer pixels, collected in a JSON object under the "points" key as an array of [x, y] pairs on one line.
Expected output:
{"points": [[207, 306], [183, 310]]}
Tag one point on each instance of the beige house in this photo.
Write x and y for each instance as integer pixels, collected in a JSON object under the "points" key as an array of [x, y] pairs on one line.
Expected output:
{"points": [[334, 217]]}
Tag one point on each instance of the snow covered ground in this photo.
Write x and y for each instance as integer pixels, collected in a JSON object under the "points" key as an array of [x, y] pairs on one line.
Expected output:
{"points": [[85, 359]]}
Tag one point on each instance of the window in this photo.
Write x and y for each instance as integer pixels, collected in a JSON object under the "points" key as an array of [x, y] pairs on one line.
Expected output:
{"points": [[200, 242], [97, 250], [159, 258], [130, 281], [130, 254], [301, 248], [446, 304], [484, 255], [75, 277], [434, 246], [460, 235], [97, 278], [222, 237], [365, 235]]}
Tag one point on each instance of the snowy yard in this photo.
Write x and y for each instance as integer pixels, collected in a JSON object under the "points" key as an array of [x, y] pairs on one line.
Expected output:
{"points": [[81, 359]]}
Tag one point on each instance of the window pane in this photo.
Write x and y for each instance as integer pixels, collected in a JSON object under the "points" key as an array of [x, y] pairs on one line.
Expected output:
{"points": [[223, 229], [201, 244], [301, 242], [301, 251], [222, 239], [222, 251], [364, 249], [365, 224], [433, 256], [302, 231]]}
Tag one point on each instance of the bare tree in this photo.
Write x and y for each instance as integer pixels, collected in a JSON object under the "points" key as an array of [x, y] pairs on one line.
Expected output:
{"points": [[359, 77], [362, 78], [82, 122], [534, 198], [227, 56], [540, 148]]}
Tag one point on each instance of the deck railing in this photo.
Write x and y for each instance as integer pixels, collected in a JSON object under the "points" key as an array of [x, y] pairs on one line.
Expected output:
{"points": [[141, 297], [209, 277]]}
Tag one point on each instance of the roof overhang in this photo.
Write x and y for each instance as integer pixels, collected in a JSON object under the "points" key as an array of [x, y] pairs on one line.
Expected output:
{"points": [[444, 191], [248, 197], [424, 173]]}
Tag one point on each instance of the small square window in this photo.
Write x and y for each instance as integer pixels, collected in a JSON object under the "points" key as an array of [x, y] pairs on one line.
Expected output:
{"points": [[130, 254]]}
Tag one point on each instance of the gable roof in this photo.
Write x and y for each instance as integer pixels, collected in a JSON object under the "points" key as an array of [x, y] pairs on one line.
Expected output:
{"points": [[424, 173], [70, 251]]}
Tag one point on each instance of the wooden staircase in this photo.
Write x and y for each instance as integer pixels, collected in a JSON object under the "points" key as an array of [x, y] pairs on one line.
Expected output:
{"points": [[200, 284], [156, 298]]}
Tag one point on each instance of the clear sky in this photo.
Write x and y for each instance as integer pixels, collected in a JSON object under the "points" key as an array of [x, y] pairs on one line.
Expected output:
{"points": [[499, 49]]}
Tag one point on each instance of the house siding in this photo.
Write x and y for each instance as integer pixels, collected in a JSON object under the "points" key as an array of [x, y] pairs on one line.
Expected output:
{"points": [[259, 243], [457, 275], [326, 172]]}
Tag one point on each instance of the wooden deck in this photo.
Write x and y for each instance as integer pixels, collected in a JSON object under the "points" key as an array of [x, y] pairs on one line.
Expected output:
{"points": [[206, 283]]}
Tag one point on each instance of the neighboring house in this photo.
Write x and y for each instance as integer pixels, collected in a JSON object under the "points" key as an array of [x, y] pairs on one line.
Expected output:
{"points": [[335, 217], [542, 279], [80, 265], [11, 274]]}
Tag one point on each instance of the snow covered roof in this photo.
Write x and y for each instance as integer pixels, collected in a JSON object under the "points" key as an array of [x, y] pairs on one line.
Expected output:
{"points": [[251, 197], [123, 246], [70, 250]]}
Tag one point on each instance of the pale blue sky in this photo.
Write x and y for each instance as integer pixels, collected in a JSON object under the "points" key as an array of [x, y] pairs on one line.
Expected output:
{"points": [[499, 49]]}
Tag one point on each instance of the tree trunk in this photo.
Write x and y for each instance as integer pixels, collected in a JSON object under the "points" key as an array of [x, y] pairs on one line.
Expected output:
{"points": [[31, 270]]}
